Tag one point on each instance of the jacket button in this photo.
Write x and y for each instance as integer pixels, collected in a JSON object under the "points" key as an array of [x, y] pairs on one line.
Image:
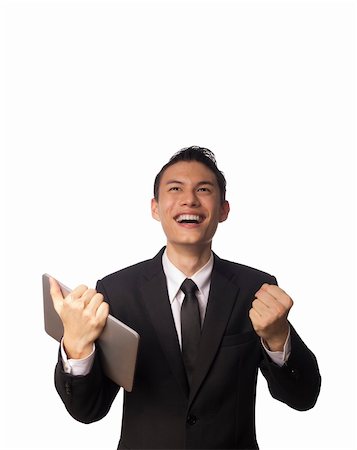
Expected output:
{"points": [[294, 373], [68, 388], [191, 420]]}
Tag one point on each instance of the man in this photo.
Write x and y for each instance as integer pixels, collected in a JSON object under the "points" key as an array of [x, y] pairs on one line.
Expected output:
{"points": [[206, 325]]}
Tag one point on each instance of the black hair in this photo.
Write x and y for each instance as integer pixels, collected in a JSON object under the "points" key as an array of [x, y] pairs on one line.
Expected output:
{"points": [[194, 153]]}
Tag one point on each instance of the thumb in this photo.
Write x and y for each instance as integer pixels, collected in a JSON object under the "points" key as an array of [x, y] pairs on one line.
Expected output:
{"points": [[56, 294]]}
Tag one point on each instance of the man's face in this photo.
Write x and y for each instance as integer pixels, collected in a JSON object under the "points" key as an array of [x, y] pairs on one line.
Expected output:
{"points": [[189, 204]]}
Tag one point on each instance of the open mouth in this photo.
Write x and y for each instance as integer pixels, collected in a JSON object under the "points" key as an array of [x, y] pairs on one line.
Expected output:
{"points": [[189, 218]]}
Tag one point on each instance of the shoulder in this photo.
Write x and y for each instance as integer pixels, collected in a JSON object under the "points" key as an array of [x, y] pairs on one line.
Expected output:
{"points": [[131, 274], [242, 272], [127, 273]]}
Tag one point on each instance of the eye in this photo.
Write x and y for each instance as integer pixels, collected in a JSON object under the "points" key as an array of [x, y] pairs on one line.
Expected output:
{"points": [[174, 188], [204, 189]]}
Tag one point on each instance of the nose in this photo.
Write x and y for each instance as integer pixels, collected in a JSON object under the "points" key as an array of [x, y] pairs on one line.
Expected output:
{"points": [[190, 198]]}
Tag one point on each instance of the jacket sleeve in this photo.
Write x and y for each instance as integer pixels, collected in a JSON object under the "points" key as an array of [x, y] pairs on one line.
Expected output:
{"points": [[87, 398], [297, 383]]}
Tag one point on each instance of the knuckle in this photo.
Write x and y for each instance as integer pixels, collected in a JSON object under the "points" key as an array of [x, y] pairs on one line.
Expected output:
{"points": [[93, 323], [87, 314], [91, 293], [98, 297], [288, 302], [79, 290], [285, 297]]}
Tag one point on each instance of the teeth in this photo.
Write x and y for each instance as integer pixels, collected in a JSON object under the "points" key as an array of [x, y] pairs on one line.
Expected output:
{"points": [[189, 217]]}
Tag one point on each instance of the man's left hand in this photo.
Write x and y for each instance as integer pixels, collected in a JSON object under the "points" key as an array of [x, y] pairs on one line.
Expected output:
{"points": [[269, 314]]}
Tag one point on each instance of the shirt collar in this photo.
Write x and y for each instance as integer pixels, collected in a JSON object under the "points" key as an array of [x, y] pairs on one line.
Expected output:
{"points": [[175, 277]]}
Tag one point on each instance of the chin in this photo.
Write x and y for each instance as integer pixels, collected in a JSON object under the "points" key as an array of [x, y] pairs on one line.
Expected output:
{"points": [[190, 242]]}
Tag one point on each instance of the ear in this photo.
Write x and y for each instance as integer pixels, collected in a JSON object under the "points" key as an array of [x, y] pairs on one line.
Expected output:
{"points": [[225, 208], [155, 209]]}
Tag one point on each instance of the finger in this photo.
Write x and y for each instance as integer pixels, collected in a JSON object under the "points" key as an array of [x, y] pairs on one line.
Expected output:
{"points": [[271, 288], [56, 293], [55, 289], [266, 298], [260, 308], [102, 312], [255, 318], [78, 291], [268, 307], [265, 286], [94, 303], [279, 294], [88, 295]]}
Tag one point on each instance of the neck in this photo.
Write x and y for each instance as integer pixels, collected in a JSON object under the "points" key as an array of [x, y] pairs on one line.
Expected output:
{"points": [[188, 259]]}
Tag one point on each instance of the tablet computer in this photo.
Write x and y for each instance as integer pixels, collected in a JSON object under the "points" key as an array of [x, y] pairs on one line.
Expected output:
{"points": [[118, 342]]}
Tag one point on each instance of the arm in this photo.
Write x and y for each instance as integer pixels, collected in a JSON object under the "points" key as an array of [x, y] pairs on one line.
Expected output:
{"points": [[83, 314], [87, 398], [297, 382]]}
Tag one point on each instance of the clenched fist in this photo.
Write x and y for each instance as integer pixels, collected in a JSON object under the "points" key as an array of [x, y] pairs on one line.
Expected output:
{"points": [[269, 314], [83, 313]]}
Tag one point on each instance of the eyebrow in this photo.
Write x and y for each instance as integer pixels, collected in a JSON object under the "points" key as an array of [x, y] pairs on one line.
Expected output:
{"points": [[200, 183]]}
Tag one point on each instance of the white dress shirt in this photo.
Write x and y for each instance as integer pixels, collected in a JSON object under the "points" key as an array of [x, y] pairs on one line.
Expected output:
{"points": [[174, 279]]}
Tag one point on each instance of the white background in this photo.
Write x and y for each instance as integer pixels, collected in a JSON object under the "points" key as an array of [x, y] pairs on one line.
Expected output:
{"points": [[95, 97]]}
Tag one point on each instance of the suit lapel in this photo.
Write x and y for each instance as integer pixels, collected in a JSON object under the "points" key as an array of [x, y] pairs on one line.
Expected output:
{"points": [[222, 297], [156, 299]]}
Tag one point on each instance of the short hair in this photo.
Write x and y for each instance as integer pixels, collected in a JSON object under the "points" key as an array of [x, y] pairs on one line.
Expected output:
{"points": [[199, 154]]}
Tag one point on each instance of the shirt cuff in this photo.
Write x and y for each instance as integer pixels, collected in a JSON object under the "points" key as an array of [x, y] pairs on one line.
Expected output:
{"points": [[280, 358], [77, 366]]}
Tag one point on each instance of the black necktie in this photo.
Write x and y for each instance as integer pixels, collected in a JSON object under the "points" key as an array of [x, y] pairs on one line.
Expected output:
{"points": [[190, 326]]}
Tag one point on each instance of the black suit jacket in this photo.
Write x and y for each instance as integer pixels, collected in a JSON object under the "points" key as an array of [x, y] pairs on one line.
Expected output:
{"points": [[218, 411]]}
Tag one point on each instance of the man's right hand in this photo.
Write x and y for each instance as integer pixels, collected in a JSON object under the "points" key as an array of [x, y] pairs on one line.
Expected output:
{"points": [[84, 314]]}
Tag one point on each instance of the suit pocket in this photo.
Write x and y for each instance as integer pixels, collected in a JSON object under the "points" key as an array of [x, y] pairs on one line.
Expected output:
{"points": [[238, 339]]}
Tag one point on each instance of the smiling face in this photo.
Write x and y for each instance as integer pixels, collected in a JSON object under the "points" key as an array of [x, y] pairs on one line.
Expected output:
{"points": [[189, 204]]}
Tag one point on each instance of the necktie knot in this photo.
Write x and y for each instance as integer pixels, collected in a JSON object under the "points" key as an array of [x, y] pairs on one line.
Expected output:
{"points": [[189, 287]]}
